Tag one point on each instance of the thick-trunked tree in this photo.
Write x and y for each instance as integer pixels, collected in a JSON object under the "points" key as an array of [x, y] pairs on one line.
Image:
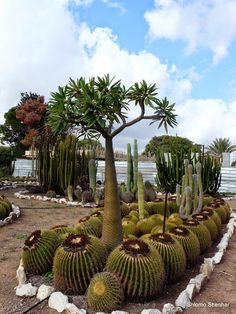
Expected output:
{"points": [[96, 107]]}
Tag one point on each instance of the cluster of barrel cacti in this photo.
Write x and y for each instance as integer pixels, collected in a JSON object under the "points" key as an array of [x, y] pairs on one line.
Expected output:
{"points": [[5, 207], [139, 267]]}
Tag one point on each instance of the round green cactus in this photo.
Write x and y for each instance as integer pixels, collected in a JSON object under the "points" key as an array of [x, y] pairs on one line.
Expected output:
{"points": [[172, 205], [90, 225], [224, 204], [172, 254], [214, 216], [189, 242], [3, 211], [139, 267], [97, 214], [61, 229], [39, 250], [76, 261], [220, 210], [125, 209], [175, 219], [105, 292], [201, 231], [159, 228], [128, 227], [209, 223], [156, 207], [145, 225]]}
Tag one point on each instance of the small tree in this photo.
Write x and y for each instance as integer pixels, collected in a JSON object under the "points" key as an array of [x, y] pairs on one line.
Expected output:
{"points": [[220, 146], [97, 107]]}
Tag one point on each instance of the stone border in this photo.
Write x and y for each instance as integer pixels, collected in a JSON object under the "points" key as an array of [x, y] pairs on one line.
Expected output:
{"points": [[13, 215], [59, 301], [59, 200]]}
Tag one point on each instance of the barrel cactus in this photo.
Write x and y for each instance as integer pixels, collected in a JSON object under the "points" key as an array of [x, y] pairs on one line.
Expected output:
{"points": [[139, 267], [105, 292], [201, 231], [60, 229], [224, 204], [172, 254], [38, 251], [213, 215], [159, 228], [146, 225], [90, 225], [76, 261], [221, 211], [156, 207], [128, 227], [189, 242], [173, 205], [209, 223]]}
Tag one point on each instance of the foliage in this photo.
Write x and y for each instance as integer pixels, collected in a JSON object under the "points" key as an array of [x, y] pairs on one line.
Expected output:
{"points": [[169, 144], [32, 112], [13, 131], [95, 107], [221, 145], [7, 158]]}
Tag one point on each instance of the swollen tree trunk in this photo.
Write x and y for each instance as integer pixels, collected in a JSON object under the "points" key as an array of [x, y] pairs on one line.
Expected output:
{"points": [[112, 229]]}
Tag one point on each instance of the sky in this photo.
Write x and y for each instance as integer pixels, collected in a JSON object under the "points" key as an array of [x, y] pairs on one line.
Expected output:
{"points": [[186, 47]]}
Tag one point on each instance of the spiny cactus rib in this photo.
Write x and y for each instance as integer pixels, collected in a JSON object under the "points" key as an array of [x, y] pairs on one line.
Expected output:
{"points": [[172, 254], [60, 229], [209, 223], [76, 261], [39, 250], [214, 216], [201, 231], [190, 243], [128, 227], [156, 207], [90, 225], [146, 225], [105, 292], [139, 267]]}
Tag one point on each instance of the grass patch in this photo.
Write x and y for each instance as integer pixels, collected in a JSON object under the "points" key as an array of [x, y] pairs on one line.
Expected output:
{"points": [[21, 236]]}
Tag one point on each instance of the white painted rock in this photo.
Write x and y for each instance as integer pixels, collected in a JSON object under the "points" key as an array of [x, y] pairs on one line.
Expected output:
{"points": [[2, 223], [210, 263], [169, 308], [205, 269], [58, 301], [100, 313], [151, 311], [199, 281], [44, 291], [191, 290], [217, 257], [20, 274], [183, 300], [72, 309], [26, 290], [119, 312]]}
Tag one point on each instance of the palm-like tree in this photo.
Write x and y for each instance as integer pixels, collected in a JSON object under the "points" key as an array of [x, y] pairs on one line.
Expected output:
{"points": [[100, 106], [221, 145]]}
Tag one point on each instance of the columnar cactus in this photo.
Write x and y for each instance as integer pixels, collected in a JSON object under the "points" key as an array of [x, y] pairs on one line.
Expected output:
{"points": [[140, 196]]}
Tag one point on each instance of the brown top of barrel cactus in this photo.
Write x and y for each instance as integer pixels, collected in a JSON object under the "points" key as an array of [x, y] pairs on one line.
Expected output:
{"points": [[32, 239], [181, 231], [200, 217], [214, 205], [162, 237], [218, 200], [207, 211], [172, 199], [76, 242], [191, 222], [135, 247], [86, 218], [59, 226], [96, 214], [158, 200]]}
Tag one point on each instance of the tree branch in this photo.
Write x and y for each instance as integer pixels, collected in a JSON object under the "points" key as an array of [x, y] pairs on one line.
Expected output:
{"points": [[127, 124]]}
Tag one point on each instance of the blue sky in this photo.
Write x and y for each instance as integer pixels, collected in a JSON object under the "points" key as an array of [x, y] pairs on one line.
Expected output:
{"points": [[186, 47]]}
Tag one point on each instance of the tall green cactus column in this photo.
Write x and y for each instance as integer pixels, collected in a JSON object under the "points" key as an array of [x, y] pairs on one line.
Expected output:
{"points": [[140, 196], [135, 167], [129, 168]]}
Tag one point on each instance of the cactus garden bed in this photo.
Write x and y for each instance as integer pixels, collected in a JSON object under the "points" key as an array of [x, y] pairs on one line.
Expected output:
{"points": [[43, 215]]}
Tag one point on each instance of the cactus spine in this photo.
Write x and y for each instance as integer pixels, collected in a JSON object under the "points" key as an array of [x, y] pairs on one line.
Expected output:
{"points": [[105, 292]]}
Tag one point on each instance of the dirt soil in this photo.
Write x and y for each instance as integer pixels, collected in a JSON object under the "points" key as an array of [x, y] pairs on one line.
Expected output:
{"points": [[218, 296]]}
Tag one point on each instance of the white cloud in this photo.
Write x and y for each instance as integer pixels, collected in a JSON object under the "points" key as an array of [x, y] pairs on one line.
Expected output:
{"points": [[115, 5], [42, 46], [203, 120], [201, 23]]}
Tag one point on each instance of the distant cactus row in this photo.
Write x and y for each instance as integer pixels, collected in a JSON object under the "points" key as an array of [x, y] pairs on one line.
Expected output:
{"points": [[62, 165]]}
